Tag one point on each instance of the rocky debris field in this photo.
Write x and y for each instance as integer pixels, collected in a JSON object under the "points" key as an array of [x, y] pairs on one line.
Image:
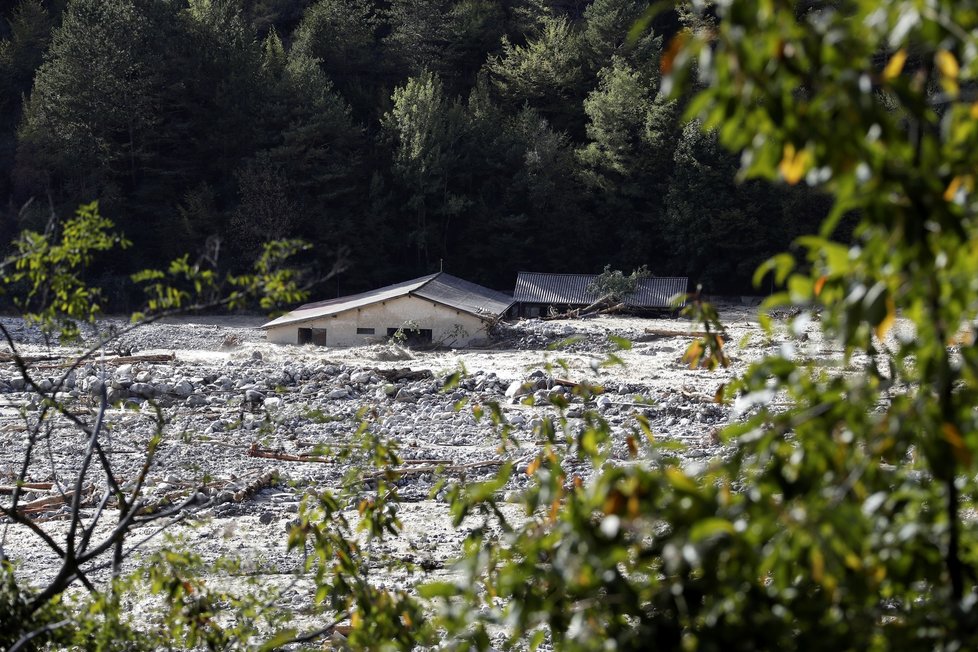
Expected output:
{"points": [[249, 428]]}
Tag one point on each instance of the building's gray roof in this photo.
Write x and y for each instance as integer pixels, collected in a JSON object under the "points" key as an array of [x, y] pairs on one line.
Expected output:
{"points": [[441, 288], [571, 290]]}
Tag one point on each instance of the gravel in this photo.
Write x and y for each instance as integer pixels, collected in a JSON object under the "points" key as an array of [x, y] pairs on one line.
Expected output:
{"points": [[237, 414]]}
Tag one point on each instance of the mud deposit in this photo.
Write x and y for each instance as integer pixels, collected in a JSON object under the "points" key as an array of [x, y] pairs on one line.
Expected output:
{"points": [[243, 421]]}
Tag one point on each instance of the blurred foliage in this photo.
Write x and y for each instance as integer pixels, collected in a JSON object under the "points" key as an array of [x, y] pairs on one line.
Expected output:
{"points": [[841, 516]]}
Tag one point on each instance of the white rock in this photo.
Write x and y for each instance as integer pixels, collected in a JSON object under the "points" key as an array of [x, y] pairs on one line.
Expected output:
{"points": [[516, 388], [362, 378]]}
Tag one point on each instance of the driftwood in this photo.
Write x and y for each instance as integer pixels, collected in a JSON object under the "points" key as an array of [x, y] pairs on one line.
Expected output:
{"points": [[26, 359], [257, 451], [116, 360], [26, 486], [610, 310], [563, 382], [43, 504], [592, 310], [453, 468], [656, 333], [394, 375]]}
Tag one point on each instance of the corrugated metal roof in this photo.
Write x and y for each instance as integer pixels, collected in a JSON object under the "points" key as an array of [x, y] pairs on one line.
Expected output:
{"points": [[464, 295], [440, 287], [571, 290]]}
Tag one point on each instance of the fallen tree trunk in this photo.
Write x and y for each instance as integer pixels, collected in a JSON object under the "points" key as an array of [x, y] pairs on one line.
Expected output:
{"points": [[453, 468], [257, 451], [656, 333], [618, 307], [115, 360], [43, 504], [26, 486]]}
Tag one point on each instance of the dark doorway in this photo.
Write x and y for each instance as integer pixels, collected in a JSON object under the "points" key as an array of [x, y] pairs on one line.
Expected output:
{"points": [[315, 336], [319, 336], [412, 337]]}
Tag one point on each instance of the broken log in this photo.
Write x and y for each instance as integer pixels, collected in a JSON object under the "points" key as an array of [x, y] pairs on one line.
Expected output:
{"points": [[257, 451], [656, 333], [43, 504], [26, 359], [451, 468], [26, 486], [156, 358], [405, 373], [618, 307]]}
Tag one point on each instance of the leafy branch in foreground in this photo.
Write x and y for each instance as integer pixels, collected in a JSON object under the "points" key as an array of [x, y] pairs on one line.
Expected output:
{"points": [[46, 276], [47, 270], [841, 516]]}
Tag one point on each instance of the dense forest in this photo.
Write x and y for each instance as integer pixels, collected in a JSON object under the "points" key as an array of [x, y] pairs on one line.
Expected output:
{"points": [[480, 136]]}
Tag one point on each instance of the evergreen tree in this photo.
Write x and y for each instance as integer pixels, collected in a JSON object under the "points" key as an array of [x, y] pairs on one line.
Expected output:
{"points": [[93, 110], [425, 127], [343, 37], [448, 37], [547, 74], [719, 230], [626, 163]]}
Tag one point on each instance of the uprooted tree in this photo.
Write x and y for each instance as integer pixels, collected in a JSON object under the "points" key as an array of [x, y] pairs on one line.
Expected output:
{"points": [[840, 518]]}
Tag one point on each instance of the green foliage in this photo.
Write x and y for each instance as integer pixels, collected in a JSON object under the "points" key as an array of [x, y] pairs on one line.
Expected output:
{"points": [[544, 74], [45, 276], [426, 126], [613, 285], [47, 269]]}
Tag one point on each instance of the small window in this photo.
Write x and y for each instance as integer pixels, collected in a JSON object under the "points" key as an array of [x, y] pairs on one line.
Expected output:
{"points": [[365, 331], [305, 335]]}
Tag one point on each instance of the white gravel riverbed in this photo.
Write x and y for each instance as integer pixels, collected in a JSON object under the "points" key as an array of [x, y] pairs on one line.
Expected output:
{"points": [[227, 394]]}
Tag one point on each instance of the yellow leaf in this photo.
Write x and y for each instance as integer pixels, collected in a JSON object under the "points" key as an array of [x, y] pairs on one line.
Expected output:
{"points": [[887, 323], [614, 503], [693, 354], [680, 480], [633, 506], [947, 64], [974, 111], [960, 449], [532, 467], [895, 65], [794, 164], [818, 564], [949, 68], [952, 188]]}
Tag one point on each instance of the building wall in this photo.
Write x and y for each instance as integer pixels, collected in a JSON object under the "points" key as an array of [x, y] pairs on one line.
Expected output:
{"points": [[448, 326]]}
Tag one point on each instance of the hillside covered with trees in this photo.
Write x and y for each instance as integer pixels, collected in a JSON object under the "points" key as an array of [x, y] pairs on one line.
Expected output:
{"points": [[487, 136]]}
